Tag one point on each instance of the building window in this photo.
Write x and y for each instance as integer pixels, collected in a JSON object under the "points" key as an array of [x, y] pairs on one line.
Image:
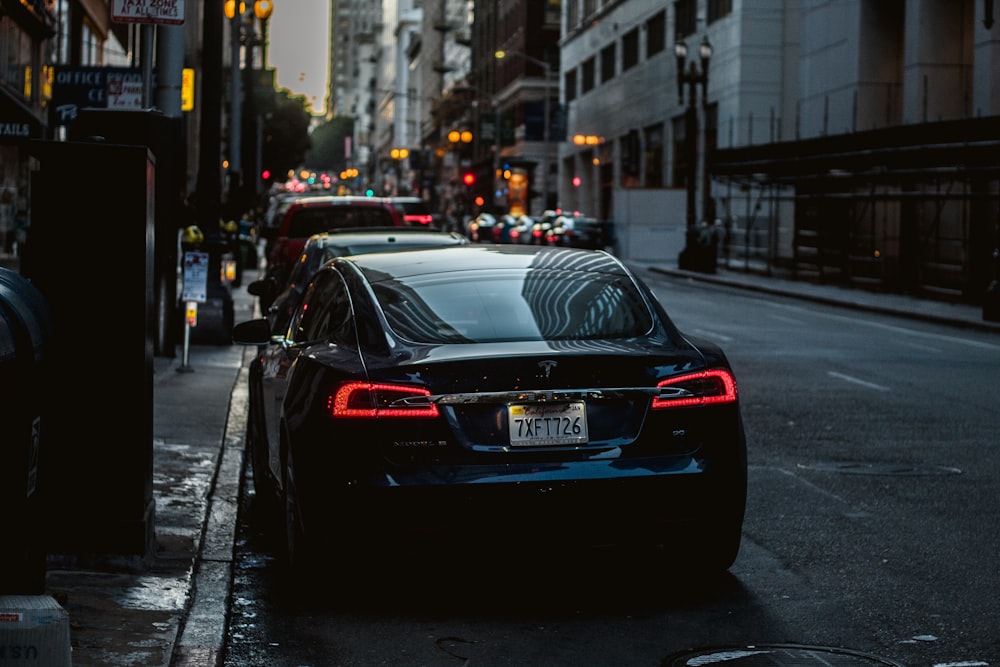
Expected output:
{"points": [[589, 7], [570, 85], [552, 10], [685, 17], [572, 15], [654, 156], [608, 63], [629, 148], [630, 49], [718, 9], [587, 73], [656, 34]]}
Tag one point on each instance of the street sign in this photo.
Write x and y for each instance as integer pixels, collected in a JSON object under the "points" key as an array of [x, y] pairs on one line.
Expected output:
{"points": [[148, 11], [75, 88], [195, 277], [124, 91]]}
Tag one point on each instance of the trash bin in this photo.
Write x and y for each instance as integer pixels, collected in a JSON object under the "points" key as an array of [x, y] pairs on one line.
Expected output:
{"points": [[25, 326]]}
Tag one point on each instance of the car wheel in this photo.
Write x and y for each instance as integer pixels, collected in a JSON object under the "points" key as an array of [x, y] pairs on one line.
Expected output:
{"points": [[298, 554], [265, 492]]}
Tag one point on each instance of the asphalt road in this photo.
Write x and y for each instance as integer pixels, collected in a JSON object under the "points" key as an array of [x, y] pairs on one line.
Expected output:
{"points": [[870, 529]]}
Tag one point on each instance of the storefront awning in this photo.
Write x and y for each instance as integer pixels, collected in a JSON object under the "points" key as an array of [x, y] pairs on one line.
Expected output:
{"points": [[17, 122]]}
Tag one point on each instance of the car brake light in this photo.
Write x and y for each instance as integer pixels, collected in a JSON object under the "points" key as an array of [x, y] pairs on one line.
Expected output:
{"points": [[694, 389], [379, 401], [418, 219]]}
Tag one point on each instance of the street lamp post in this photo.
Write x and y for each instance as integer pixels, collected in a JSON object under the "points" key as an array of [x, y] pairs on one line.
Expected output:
{"points": [[399, 155], [241, 99], [693, 256], [499, 55], [234, 12]]}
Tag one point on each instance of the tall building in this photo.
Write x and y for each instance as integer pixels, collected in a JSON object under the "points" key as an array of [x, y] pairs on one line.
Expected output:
{"points": [[355, 29], [845, 141]]}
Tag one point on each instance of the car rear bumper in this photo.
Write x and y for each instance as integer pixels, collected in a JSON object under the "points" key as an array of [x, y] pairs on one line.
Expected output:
{"points": [[635, 507]]}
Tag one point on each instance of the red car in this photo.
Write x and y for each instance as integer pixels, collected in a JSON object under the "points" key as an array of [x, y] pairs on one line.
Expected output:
{"points": [[323, 213]]}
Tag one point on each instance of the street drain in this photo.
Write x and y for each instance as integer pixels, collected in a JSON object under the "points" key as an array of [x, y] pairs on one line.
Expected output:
{"points": [[867, 468], [775, 655]]}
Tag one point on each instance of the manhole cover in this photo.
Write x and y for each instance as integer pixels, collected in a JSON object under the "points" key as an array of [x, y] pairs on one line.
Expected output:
{"points": [[868, 468], [776, 655]]}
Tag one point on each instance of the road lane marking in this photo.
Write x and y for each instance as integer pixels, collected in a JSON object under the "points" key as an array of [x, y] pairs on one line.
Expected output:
{"points": [[713, 334], [848, 378]]}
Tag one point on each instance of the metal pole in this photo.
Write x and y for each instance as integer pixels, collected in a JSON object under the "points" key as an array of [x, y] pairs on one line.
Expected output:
{"points": [[146, 33], [498, 161], [545, 141], [691, 142], [235, 110]]}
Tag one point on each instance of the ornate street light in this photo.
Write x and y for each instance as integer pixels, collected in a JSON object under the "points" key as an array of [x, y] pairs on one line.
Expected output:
{"points": [[240, 93], [262, 9], [689, 73], [234, 13]]}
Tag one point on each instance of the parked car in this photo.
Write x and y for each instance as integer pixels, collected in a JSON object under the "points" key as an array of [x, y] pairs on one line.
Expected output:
{"points": [[577, 231], [415, 211], [278, 300], [276, 208], [520, 229], [484, 395], [480, 228], [540, 228], [310, 215]]}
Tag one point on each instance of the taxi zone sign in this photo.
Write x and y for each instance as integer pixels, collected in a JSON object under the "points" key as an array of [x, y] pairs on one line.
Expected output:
{"points": [[148, 11]]}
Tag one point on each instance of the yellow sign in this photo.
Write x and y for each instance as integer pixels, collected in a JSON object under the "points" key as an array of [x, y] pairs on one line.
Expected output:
{"points": [[187, 89]]}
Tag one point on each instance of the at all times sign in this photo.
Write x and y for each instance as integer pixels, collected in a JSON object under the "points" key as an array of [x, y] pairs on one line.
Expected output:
{"points": [[148, 11]]}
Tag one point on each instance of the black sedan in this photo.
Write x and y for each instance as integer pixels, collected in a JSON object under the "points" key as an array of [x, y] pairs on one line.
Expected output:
{"points": [[494, 396]]}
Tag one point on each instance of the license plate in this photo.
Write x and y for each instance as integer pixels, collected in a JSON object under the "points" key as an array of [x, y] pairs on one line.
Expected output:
{"points": [[541, 424]]}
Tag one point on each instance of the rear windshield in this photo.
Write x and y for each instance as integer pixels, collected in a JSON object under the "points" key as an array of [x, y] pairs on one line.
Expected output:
{"points": [[487, 306], [308, 221], [413, 207]]}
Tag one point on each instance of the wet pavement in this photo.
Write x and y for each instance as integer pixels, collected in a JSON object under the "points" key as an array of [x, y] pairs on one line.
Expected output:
{"points": [[172, 611]]}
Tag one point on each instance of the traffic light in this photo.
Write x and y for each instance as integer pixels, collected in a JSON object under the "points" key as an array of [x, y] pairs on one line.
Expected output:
{"points": [[469, 178]]}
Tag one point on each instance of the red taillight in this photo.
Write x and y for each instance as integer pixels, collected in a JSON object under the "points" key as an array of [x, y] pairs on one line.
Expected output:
{"points": [[379, 401], [704, 388], [418, 219]]}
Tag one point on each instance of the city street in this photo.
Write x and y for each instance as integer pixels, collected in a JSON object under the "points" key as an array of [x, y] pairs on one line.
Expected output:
{"points": [[873, 484]]}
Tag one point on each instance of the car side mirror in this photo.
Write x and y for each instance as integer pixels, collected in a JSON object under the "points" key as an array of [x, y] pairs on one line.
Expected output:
{"points": [[264, 287], [252, 332]]}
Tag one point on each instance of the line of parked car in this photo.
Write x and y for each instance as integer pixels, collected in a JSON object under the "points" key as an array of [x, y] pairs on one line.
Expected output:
{"points": [[554, 228]]}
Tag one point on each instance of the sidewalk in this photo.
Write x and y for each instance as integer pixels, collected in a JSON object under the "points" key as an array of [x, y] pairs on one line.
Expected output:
{"points": [[955, 314], [174, 613]]}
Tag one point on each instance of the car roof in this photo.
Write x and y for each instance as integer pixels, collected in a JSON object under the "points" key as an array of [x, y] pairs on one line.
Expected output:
{"points": [[353, 200], [357, 235], [381, 266]]}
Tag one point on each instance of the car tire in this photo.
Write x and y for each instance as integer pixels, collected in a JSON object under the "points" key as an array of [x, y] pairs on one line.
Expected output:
{"points": [[297, 553], [265, 491]]}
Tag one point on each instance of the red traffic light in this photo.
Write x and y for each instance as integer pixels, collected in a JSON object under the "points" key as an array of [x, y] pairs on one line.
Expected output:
{"points": [[266, 174], [468, 178]]}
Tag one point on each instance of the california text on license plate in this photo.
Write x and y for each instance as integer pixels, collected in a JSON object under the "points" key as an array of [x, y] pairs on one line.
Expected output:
{"points": [[540, 424]]}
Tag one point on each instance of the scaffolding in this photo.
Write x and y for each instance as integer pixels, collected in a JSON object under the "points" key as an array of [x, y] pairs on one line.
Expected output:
{"points": [[912, 209]]}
